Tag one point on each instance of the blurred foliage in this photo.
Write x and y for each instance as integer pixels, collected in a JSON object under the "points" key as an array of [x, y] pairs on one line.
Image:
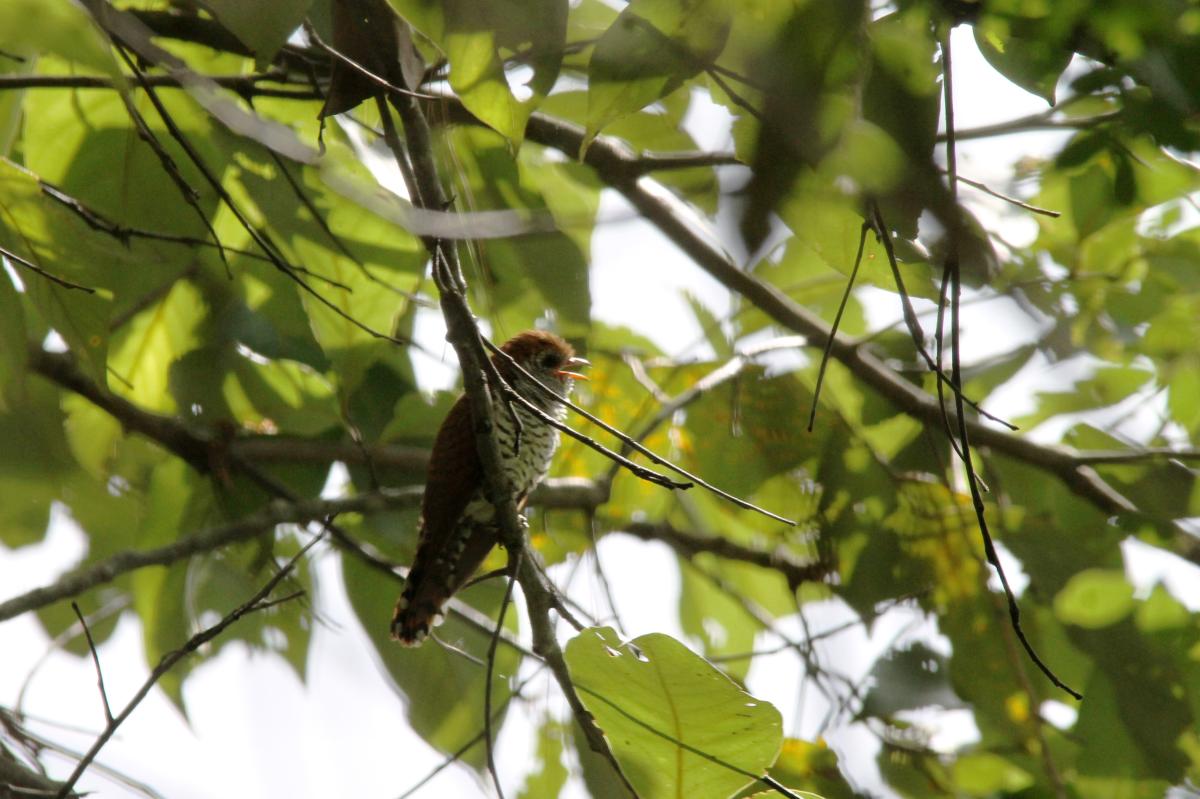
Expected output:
{"points": [[190, 270]]}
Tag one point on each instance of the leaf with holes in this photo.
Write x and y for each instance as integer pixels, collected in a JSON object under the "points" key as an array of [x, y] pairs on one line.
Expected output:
{"points": [[677, 725]]}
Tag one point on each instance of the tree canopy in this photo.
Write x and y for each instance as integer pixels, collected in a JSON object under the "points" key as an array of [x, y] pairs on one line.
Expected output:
{"points": [[224, 225]]}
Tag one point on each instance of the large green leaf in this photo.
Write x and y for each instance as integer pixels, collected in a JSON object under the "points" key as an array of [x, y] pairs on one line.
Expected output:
{"points": [[14, 342], [262, 26], [677, 725], [1033, 64], [443, 690], [32, 27], [651, 48], [477, 36]]}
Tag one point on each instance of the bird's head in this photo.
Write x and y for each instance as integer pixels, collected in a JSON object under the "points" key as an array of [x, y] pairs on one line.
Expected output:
{"points": [[545, 356]]}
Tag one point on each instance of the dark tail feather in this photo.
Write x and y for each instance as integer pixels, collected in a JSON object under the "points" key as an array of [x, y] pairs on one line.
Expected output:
{"points": [[431, 584]]}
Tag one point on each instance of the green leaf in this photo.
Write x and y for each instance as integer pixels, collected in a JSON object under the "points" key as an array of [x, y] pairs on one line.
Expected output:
{"points": [[812, 80], [159, 599], [551, 774], [281, 396], [521, 279], [1161, 611], [1034, 64], [478, 35], [14, 342], [1094, 598], [444, 690], [262, 26], [651, 48], [812, 765], [1122, 750], [33, 27], [735, 430], [716, 618], [677, 725], [146, 347], [910, 678], [35, 461], [985, 774]]}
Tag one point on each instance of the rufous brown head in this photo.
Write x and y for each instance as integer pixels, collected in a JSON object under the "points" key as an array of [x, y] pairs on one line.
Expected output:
{"points": [[544, 355]]}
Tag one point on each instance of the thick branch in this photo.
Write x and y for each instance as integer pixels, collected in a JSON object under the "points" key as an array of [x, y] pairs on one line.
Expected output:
{"points": [[257, 602], [90, 576], [464, 336], [245, 85], [191, 446], [616, 165]]}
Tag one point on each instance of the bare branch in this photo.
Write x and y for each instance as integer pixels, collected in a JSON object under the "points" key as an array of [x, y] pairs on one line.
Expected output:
{"points": [[32, 267], [246, 85], [983, 187], [168, 661], [614, 164], [954, 273], [464, 336], [107, 570], [108, 716]]}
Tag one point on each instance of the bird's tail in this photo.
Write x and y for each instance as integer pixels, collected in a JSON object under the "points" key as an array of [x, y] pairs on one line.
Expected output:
{"points": [[418, 610], [434, 577]]}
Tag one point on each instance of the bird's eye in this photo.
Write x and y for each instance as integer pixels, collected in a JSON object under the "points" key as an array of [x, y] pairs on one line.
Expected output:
{"points": [[550, 360]]}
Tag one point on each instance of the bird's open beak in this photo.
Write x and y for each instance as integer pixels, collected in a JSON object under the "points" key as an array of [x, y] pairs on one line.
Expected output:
{"points": [[571, 364]]}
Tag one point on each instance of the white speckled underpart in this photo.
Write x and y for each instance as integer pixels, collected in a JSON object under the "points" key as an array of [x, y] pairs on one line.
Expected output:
{"points": [[526, 459]]}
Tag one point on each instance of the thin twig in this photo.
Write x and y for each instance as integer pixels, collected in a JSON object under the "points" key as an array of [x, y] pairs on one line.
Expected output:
{"points": [[952, 266], [382, 83], [168, 661], [513, 567], [933, 363], [1041, 121], [663, 162], [983, 187], [260, 237], [464, 336], [633, 444], [108, 716], [123, 233], [245, 85], [32, 267], [729, 370], [105, 571], [833, 329], [185, 189], [457, 754], [689, 544]]}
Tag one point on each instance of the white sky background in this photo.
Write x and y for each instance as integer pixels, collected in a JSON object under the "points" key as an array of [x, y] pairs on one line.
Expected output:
{"points": [[256, 731]]}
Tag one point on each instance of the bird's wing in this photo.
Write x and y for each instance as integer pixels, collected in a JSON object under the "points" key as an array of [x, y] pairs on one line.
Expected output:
{"points": [[454, 475]]}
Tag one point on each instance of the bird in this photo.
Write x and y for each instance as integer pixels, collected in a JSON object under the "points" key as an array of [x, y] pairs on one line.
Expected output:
{"points": [[458, 524]]}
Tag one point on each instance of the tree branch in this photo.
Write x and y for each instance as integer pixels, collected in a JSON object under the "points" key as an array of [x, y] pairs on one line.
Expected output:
{"points": [[168, 661], [280, 512], [615, 164], [688, 545], [245, 85], [464, 336]]}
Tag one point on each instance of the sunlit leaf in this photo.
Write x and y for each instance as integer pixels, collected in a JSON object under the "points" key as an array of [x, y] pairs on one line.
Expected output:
{"points": [[262, 27], [677, 725], [650, 49], [1095, 598]]}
